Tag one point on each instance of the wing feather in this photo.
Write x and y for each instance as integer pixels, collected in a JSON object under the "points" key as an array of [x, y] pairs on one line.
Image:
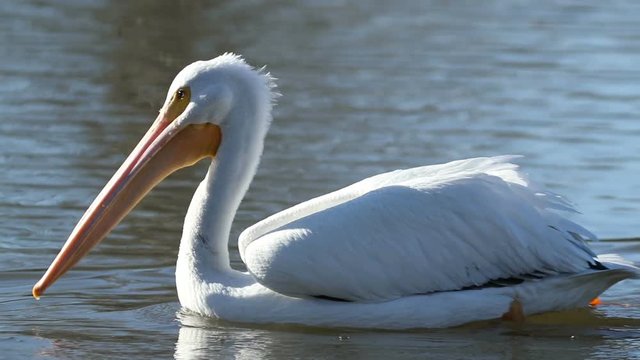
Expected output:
{"points": [[421, 230]]}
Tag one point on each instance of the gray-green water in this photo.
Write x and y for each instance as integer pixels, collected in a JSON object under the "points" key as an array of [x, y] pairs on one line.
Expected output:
{"points": [[367, 88]]}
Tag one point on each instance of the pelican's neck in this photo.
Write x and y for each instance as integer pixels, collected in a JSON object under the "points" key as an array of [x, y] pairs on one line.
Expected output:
{"points": [[204, 244], [203, 265]]}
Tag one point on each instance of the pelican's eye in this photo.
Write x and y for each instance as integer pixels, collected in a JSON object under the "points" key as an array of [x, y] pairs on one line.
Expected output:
{"points": [[179, 102], [180, 94]]}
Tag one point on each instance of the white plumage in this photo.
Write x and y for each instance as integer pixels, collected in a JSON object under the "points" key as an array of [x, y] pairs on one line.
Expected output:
{"points": [[416, 231], [431, 246]]}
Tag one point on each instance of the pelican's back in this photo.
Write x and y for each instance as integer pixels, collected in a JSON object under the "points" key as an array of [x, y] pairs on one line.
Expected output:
{"points": [[422, 230]]}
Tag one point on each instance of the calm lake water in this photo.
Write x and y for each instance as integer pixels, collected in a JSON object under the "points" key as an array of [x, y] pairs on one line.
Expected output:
{"points": [[367, 88]]}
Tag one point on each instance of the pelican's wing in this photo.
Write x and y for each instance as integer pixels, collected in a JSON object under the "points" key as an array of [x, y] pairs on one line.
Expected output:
{"points": [[416, 231]]}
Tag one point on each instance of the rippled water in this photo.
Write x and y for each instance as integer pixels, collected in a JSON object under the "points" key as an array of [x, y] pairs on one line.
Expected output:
{"points": [[367, 88]]}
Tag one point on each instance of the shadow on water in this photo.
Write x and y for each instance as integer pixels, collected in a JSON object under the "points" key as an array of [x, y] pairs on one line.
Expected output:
{"points": [[578, 334]]}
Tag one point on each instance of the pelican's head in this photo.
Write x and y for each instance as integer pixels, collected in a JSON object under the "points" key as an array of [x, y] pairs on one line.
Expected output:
{"points": [[207, 102], [224, 91]]}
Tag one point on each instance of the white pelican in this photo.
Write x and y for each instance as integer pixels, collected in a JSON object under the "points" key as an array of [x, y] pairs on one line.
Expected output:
{"points": [[432, 246]]}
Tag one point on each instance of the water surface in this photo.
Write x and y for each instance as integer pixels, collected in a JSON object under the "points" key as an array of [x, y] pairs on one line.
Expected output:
{"points": [[367, 88]]}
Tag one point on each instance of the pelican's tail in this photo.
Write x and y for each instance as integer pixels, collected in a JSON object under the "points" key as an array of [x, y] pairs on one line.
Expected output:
{"points": [[617, 262], [565, 292]]}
